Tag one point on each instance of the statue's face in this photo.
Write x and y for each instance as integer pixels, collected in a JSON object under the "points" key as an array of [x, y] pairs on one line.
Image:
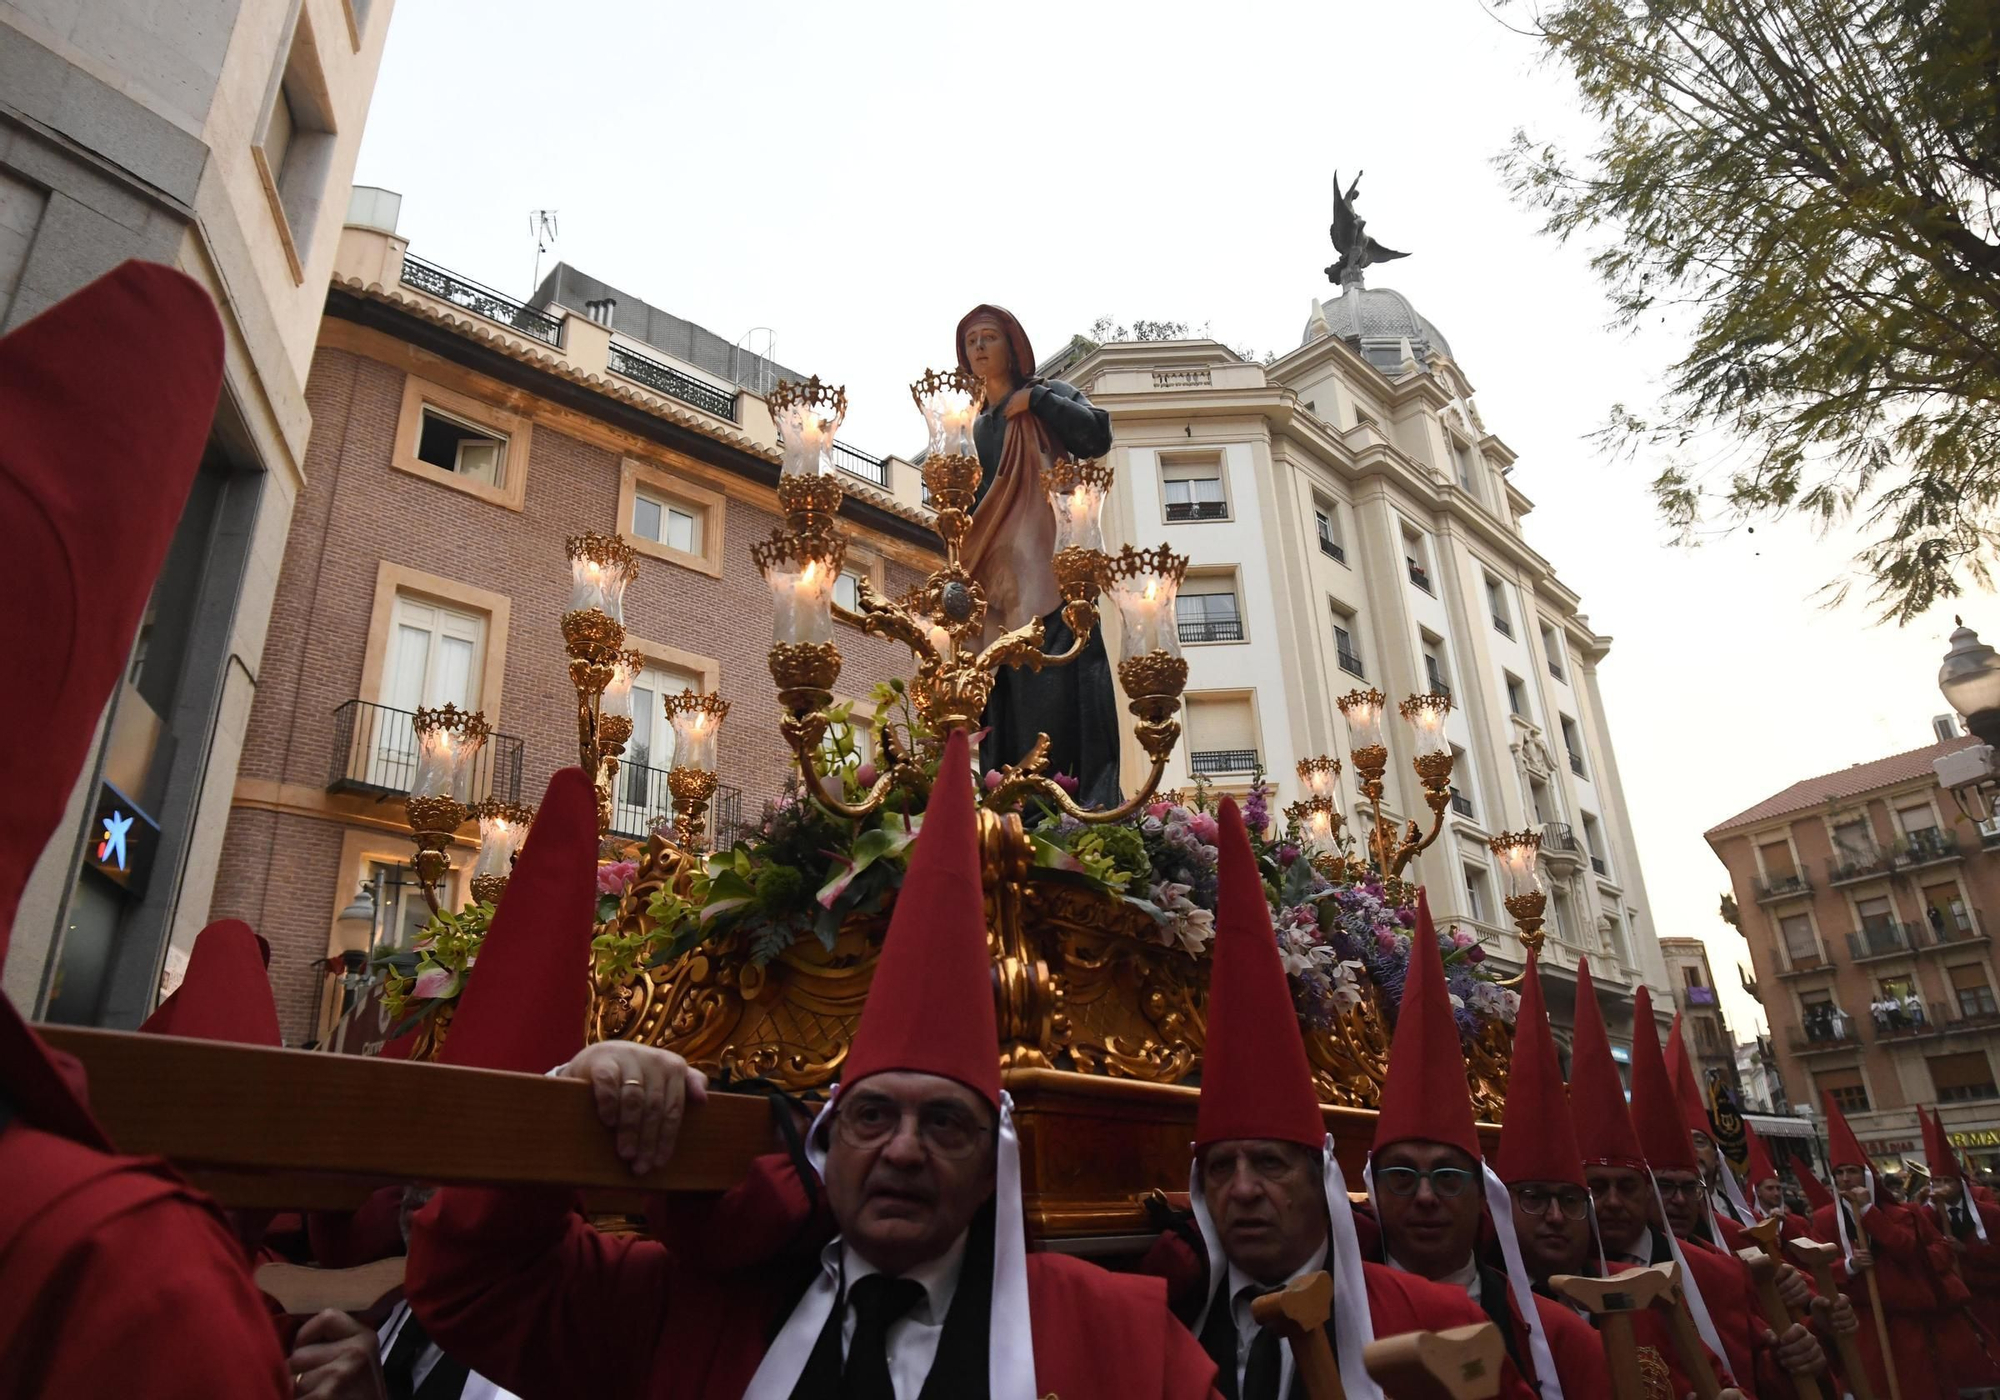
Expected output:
{"points": [[987, 350]]}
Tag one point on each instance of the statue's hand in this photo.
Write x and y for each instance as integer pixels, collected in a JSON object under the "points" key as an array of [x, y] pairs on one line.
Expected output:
{"points": [[1018, 405]]}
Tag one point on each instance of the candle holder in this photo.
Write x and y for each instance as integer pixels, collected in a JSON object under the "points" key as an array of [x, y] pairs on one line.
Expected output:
{"points": [[808, 416], [503, 826], [448, 738], [697, 722], [601, 568], [1526, 891], [1388, 852]]}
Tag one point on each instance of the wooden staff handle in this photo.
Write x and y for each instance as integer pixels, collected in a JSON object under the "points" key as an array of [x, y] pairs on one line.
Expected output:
{"points": [[1881, 1318], [1611, 1302], [1460, 1363], [1764, 1276], [1687, 1341], [1818, 1260], [1298, 1313]]}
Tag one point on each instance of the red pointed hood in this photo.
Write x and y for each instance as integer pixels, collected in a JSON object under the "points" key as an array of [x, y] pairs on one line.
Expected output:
{"points": [[1843, 1149], [1424, 1095], [225, 993], [1656, 1112], [527, 995], [1596, 1096], [1814, 1190], [1758, 1166], [1937, 1148], [1255, 1082], [105, 404], [1687, 1083], [1537, 1137], [930, 1007]]}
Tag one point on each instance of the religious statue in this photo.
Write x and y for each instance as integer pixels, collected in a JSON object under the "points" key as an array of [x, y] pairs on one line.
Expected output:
{"points": [[1350, 239], [1027, 422]]}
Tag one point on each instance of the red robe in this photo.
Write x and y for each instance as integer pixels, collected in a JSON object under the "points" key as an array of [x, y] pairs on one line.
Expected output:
{"points": [[117, 1278], [1974, 1351], [1909, 1256], [1652, 1331], [519, 1287], [1577, 1349]]}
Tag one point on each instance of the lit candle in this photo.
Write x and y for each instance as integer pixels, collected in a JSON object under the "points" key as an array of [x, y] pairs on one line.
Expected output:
{"points": [[1427, 719], [1146, 612], [1363, 709], [1520, 867], [696, 727], [1078, 513], [801, 601], [618, 692], [1319, 827], [949, 405], [499, 840], [808, 416]]}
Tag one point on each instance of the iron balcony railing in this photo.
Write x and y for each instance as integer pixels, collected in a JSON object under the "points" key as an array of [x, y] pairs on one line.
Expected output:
{"points": [[855, 462], [1883, 939], [640, 799], [665, 379], [470, 296], [1964, 927], [1460, 803], [1597, 864], [1558, 836], [1223, 760], [1332, 550], [1502, 626], [1213, 630], [1855, 865], [1419, 575], [1926, 846], [375, 752], [1784, 886], [1351, 664], [1197, 510], [1576, 763], [1555, 670], [1908, 1016], [1825, 1029]]}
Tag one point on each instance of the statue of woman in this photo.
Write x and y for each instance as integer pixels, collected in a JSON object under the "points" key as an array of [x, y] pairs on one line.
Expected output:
{"points": [[1027, 422]]}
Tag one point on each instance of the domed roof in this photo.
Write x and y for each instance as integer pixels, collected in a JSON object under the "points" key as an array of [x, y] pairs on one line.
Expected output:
{"points": [[1375, 321]]}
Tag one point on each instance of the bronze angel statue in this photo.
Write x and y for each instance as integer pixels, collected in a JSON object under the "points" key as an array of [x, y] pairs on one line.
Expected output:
{"points": [[1350, 238]]}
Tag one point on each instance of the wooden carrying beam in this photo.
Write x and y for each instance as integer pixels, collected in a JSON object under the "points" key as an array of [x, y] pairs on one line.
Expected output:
{"points": [[1298, 1313], [297, 1129], [1462, 1363]]}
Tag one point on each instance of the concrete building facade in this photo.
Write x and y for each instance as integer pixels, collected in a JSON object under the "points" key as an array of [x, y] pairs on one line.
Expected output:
{"points": [[1352, 522], [219, 138], [460, 438], [1863, 895]]}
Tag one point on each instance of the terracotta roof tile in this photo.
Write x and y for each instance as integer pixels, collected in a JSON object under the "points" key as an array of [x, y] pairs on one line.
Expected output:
{"points": [[1845, 783]]}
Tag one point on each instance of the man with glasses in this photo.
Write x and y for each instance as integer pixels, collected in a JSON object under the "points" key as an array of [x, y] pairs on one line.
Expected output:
{"points": [[1268, 1201], [927, 1289], [1431, 1190]]}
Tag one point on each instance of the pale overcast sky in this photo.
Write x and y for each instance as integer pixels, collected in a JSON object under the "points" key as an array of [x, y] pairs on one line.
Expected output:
{"points": [[854, 176]]}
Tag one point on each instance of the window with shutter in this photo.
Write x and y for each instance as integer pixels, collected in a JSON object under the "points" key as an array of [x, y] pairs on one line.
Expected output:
{"points": [[1974, 992], [1222, 734], [1962, 1078], [1844, 1087]]}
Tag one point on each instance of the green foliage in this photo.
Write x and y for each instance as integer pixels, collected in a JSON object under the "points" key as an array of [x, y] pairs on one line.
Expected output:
{"points": [[1114, 856], [1813, 182]]}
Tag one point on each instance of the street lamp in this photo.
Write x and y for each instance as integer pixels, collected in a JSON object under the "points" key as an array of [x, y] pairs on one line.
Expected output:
{"points": [[1970, 680]]}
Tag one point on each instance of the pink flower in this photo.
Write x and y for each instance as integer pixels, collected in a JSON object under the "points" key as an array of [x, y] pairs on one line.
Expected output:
{"points": [[1202, 824], [1067, 783], [1386, 941], [432, 982], [993, 779], [615, 876], [1287, 853], [865, 775], [1158, 810], [1461, 939]]}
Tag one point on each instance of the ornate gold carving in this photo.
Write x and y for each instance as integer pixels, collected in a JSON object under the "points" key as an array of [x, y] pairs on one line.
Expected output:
{"points": [[441, 816], [487, 889]]}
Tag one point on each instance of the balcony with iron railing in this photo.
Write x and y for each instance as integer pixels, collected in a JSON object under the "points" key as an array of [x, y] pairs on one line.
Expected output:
{"points": [[1214, 629], [1883, 938], [1785, 885], [1908, 1018], [1461, 804], [1502, 626], [1555, 670], [375, 755], [1558, 836], [1351, 664], [1846, 867], [1927, 846], [1332, 549], [1824, 1030], [1597, 864], [640, 800], [468, 295], [1197, 510], [665, 379], [1222, 760], [855, 462], [1419, 575], [1576, 763], [1957, 927]]}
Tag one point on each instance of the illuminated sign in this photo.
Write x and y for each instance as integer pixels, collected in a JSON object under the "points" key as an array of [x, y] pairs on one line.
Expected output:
{"points": [[1977, 1137], [123, 839]]}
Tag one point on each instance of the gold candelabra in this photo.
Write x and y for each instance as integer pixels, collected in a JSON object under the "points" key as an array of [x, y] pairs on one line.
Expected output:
{"points": [[503, 827], [1389, 851], [1527, 896], [943, 620], [448, 739], [697, 720]]}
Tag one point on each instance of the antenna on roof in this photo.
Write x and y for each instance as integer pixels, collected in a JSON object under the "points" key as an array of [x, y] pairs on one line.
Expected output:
{"points": [[541, 228]]}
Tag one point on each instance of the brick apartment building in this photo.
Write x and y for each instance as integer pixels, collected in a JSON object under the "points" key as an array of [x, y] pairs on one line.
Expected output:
{"points": [[458, 439], [1700, 1008], [1865, 898]]}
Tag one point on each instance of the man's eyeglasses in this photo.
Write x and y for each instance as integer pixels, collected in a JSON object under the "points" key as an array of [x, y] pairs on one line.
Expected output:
{"points": [[1573, 1204], [1629, 1189], [1446, 1182], [945, 1129], [1679, 1190]]}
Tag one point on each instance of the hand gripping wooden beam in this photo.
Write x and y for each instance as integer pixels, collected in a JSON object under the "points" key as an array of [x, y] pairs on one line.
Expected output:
{"points": [[1817, 1259]]}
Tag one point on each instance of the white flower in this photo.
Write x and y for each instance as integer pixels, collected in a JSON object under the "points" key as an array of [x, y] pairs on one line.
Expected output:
{"points": [[1188, 926]]}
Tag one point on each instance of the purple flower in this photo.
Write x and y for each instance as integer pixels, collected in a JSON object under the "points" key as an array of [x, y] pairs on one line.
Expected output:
{"points": [[1287, 854], [1475, 955], [865, 775], [1066, 782]]}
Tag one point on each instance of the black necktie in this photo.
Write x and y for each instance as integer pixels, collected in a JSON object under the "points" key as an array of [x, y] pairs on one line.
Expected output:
{"points": [[878, 1301], [1961, 1224], [400, 1370], [1260, 1372]]}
